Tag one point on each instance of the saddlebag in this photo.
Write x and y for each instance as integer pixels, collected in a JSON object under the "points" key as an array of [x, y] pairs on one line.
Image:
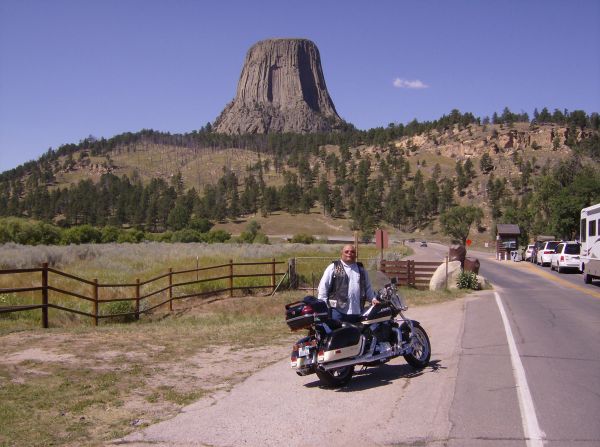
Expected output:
{"points": [[342, 343], [301, 314]]}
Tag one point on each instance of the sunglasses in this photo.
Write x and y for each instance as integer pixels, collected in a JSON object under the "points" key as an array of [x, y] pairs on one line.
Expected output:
{"points": [[349, 251]]}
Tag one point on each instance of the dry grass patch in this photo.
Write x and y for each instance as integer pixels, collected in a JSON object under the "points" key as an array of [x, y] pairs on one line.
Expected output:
{"points": [[86, 385]]}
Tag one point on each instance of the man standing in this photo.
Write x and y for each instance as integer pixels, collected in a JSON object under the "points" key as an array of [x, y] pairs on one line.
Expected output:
{"points": [[345, 286]]}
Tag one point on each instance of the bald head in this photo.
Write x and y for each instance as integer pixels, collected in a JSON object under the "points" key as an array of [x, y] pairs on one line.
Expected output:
{"points": [[348, 254]]}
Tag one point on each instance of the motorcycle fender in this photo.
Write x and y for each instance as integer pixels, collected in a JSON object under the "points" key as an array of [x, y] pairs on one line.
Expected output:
{"points": [[404, 328]]}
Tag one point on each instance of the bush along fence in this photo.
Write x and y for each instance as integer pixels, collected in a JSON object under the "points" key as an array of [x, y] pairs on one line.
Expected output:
{"points": [[175, 289]]}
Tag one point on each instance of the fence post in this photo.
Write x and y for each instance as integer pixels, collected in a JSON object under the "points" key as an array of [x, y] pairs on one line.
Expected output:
{"points": [[446, 272], [292, 273], [171, 289], [45, 295], [95, 295], [231, 277], [137, 299], [273, 275], [411, 274]]}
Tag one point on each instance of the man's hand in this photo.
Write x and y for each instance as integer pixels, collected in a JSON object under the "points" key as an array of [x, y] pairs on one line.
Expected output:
{"points": [[375, 301]]}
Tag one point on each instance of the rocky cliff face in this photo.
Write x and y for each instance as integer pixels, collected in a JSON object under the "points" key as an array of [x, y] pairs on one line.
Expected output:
{"points": [[281, 89]]}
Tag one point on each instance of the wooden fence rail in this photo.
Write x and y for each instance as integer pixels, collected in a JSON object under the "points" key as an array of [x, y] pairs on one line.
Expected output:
{"points": [[45, 287], [410, 273]]}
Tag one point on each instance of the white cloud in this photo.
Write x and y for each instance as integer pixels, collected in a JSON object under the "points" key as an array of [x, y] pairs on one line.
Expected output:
{"points": [[404, 83]]}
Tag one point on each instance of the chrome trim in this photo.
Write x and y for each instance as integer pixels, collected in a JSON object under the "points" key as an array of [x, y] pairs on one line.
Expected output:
{"points": [[358, 360], [307, 315]]}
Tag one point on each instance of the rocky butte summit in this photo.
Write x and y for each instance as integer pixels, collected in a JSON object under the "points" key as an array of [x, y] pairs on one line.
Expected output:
{"points": [[281, 89]]}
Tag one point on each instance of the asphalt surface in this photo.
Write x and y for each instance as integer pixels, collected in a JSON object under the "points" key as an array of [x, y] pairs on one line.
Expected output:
{"points": [[469, 396]]}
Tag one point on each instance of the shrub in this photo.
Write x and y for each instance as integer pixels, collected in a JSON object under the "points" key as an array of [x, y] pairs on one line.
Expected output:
{"points": [[110, 234], [187, 235], [82, 234], [261, 238], [24, 232], [217, 236], [303, 238], [468, 280], [50, 234], [246, 237], [119, 307], [201, 225]]}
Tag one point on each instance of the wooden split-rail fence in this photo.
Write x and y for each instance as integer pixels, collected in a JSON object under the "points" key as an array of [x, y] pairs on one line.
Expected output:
{"points": [[46, 286], [410, 273]]}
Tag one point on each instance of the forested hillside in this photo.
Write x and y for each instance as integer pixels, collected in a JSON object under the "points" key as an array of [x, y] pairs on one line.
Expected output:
{"points": [[537, 173]]}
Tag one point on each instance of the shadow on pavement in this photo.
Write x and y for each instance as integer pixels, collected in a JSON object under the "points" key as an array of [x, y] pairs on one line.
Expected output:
{"points": [[383, 375]]}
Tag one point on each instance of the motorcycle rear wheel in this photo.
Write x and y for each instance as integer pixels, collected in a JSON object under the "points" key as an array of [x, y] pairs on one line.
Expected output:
{"points": [[336, 378], [421, 354]]}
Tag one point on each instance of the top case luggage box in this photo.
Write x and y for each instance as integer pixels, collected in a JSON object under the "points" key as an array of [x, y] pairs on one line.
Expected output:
{"points": [[301, 314]]}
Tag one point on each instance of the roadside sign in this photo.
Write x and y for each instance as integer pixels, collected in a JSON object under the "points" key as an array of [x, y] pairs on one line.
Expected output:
{"points": [[381, 239], [469, 242]]}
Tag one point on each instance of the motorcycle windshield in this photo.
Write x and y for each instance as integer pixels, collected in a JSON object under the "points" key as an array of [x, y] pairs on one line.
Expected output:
{"points": [[379, 280]]}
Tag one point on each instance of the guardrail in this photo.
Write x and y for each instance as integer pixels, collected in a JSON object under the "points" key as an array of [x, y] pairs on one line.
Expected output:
{"points": [[45, 287]]}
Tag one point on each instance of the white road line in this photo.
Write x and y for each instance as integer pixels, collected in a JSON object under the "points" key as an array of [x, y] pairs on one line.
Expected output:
{"points": [[533, 434]]}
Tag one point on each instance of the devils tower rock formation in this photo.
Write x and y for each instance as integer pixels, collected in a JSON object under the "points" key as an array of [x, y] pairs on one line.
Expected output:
{"points": [[281, 89]]}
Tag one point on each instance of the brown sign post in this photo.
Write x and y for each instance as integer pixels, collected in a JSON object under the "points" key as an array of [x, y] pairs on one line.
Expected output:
{"points": [[381, 241]]}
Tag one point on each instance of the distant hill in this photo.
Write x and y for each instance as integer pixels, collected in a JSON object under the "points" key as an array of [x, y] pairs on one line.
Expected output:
{"points": [[401, 175]]}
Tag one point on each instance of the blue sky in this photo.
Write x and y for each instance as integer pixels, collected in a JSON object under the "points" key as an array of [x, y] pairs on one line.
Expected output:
{"points": [[74, 68]]}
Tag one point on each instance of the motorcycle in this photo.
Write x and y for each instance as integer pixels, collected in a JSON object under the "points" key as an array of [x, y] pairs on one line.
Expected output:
{"points": [[332, 348]]}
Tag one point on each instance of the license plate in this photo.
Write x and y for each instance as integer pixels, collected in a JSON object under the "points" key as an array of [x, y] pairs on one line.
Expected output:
{"points": [[303, 352]]}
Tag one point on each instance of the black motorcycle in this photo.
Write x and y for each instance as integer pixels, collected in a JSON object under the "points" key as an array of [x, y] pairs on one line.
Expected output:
{"points": [[333, 348]]}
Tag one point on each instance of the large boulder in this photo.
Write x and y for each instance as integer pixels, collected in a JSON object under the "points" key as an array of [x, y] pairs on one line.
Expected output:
{"points": [[438, 280], [281, 89]]}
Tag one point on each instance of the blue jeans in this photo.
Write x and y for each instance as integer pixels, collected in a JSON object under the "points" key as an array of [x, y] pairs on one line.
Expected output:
{"points": [[337, 315]]}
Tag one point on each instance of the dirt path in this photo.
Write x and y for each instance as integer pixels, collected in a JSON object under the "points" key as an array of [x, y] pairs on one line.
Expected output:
{"points": [[391, 404]]}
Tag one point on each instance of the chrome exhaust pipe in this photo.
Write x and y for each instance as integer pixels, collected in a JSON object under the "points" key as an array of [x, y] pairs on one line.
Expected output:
{"points": [[358, 360]]}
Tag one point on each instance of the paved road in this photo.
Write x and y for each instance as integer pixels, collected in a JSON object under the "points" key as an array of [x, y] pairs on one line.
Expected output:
{"points": [[474, 394], [557, 330]]}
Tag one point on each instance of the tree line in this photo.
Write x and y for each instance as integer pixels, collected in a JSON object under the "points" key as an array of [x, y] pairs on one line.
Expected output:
{"points": [[369, 190], [281, 145]]}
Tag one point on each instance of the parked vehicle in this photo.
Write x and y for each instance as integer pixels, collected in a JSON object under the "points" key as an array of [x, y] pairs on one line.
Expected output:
{"points": [[590, 243], [332, 348], [528, 252], [423, 244], [536, 249], [565, 256], [545, 252]]}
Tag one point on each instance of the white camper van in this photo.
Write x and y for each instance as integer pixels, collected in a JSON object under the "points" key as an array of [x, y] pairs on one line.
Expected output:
{"points": [[590, 243]]}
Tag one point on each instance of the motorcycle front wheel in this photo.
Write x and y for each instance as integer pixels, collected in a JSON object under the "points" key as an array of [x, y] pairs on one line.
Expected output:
{"points": [[419, 358], [336, 378]]}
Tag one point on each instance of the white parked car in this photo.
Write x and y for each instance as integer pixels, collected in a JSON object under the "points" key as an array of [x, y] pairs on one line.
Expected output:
{"points": [[566, 256], [544, 254], [529, 252]]}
